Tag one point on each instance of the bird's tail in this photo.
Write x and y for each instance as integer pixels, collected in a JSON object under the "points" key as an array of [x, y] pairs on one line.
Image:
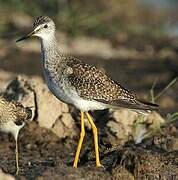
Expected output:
{"points": [[146, 107], [149, 106], [136, 105]]}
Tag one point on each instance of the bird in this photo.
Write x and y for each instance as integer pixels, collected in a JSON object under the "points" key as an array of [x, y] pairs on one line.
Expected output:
{"points": [[13, 116], [80, 84]]}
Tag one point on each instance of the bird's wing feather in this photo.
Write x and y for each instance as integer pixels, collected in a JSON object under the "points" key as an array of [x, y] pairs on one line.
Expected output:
{"points": [[135, 104], [92, 84]]}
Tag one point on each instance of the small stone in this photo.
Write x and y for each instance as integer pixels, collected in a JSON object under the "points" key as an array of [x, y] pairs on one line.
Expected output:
{"points": [[48, 106]]}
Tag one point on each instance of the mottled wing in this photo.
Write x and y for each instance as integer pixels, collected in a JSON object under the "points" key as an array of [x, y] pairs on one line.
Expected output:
{"points": [[6, 111], [133, 104], [92, 84]]}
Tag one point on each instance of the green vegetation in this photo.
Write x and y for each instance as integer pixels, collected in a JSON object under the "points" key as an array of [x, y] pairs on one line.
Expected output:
{"points": [[142, 127], [97, 18]]}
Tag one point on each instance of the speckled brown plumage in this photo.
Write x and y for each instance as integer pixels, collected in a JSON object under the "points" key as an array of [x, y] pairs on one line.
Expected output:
{"points": [[13, 111], [92, 84], [41, 20], [12, 118]]}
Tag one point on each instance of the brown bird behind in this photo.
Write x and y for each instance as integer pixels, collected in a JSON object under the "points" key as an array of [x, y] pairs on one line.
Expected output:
{"points": [[13, 116]]}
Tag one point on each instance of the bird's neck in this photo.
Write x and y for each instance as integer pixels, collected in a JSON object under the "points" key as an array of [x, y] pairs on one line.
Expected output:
{"points": [[49, 50], [50, 55], [49, 43]]}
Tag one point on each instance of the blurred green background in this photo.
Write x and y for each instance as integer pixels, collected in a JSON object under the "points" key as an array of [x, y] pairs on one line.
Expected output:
{"points": [[101, 18]]}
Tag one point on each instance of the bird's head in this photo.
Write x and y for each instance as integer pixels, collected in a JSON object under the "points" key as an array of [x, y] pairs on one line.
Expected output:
{"points": [[43, 27], [22, 113], [28, 113]]}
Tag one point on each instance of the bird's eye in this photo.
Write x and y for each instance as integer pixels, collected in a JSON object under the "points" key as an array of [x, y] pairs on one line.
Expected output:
{"points": [[45, 26]]}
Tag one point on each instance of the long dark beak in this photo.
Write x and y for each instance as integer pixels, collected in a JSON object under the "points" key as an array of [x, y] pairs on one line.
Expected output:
{"points": [[26, 36]]}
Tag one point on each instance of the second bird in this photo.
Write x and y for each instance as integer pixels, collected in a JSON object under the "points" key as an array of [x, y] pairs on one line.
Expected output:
{"points": [[13, 116], [77, 83]]}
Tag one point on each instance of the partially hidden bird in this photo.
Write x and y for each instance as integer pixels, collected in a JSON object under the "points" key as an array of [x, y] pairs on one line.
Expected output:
{"points": [[13, 116]]}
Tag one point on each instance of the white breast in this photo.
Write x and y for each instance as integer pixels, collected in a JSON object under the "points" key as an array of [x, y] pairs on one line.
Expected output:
{"points": [[71, 97], [11, 127]]}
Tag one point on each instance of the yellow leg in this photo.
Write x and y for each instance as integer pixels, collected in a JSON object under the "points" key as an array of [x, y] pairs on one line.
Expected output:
{"points": [[16, 157], [82, 135], [95, 134]]}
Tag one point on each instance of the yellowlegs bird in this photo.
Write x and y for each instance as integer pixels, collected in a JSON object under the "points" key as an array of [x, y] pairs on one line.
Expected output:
{"points": [[77, 83], [12, 118]]}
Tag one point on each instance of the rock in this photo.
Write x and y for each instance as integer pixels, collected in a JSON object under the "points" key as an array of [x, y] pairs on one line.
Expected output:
{"points": [[52, 113], [127, 124], [121, 125], [4, 176], [64, 126], [48, 107], [20, 90]]}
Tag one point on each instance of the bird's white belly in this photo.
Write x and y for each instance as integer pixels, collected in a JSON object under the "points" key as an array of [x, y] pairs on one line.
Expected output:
{"points": [[86, 105], [58, 91], [11, 127], [71, 97]]}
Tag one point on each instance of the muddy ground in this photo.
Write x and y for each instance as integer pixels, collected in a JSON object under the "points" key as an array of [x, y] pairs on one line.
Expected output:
{"points": [[44, 156]]}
